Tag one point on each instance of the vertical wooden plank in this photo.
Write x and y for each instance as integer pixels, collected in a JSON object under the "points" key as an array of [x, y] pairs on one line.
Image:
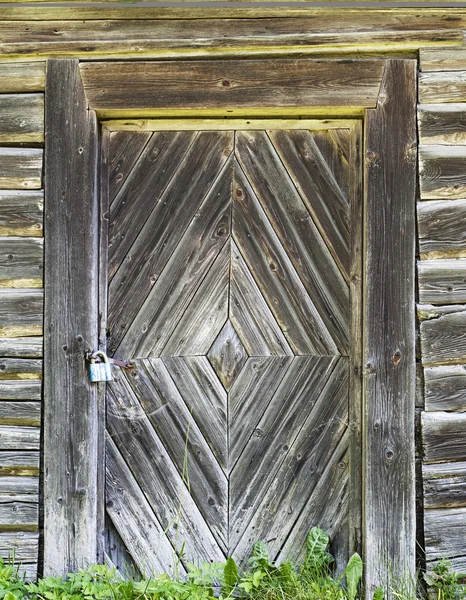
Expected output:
{"points": [[71, 323], [389, 330], [356, 271]]}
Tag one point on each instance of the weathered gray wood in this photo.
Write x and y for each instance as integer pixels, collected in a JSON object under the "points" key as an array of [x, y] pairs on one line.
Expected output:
{"points": [[335, 147], [321, 192], [436, 88], [444, 532], [442, 229], [19, 516], [196, 171], [21, 312], [290, 216], [21, 213], [20, 413], [176, 426], [204, 394], [227, 355], [443, 436], [442, 281], [444, 485], [229, 88], [206, 313], [19, 463], [12, 486], [71, 317], [25, 347], [442, 124], [428, 311], [442, 171], [250, 315], [165, 489], [124, 150], [186, 268], [207, 36], [442, 59], [21, 390], [21, 545], [445, 388], [275, 275], [20, 168], [21, 118], [19, 438], [249, 398], [16, 77], [389, 355], [257, 467], [316, 439], [443, 338], [134, 519], [21, 259]]}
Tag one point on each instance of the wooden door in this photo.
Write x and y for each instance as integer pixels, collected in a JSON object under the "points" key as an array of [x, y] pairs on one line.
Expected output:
{"points": [[229, 262]]}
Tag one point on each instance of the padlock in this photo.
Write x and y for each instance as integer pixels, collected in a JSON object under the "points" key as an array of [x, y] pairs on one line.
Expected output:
{"points": [[99, 371]]}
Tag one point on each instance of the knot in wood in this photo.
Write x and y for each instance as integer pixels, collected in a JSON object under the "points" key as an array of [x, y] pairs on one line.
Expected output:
{"points": [[396, 358]]}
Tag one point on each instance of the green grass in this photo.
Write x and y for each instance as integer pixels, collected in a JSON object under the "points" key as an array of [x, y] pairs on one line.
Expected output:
{"points": [[311, 579]]}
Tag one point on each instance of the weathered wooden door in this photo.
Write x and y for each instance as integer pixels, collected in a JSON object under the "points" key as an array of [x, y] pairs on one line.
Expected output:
{"points": [[229, 259]]}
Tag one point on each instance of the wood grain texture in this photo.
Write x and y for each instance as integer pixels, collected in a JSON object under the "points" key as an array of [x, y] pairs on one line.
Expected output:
{"points": [[17, 77], [442, 172], [21, 312], [21, 118], [442, 59], [19, 485], [442, 87], [442, 436], [442, 229], [20, 168], [442, 124], [443, 338], [445, 388], [389, 356], [70, 517], [28, 389], [20, 368], [20, 413], [125, 150], [19, 438], [21, 213], [444, 485], [444, 533], [201, 37], [227, 355], [19, 516], [27, 347], [286, 84], [442, 281], [22, 545], [21, 259], [19, 463]]}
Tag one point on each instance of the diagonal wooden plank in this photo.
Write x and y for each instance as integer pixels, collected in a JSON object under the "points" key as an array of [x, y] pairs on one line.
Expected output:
{"points": [[204, 395], [184, 442], [334, 147], [194, 255], [315, 442], [134, 519], [290, 218], [275, 433], [227, 355], [167, 154], [250, 315], [206, 313], [249, 398], [125, 150], [327, 507], [166, 491], [165, 226], [275, 275]]}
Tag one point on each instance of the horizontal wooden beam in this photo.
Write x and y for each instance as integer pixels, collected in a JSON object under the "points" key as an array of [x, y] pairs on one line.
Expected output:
{"points": [[19, 463], [442, 59], [21, 118], [443, 337], [444, 485], [442, 171], [439, 87], [442, 228], [19, 413], [28, 389], [20, 168], [443, 436], [21, 262], [228, 88], [21, 313], [19, 438], [444, 535], [20, 544], [21, 213], [17, 77], [442, 124], [442, 281], [445, 388]]}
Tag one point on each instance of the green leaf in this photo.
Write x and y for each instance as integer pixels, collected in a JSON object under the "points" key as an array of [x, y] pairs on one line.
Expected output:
{"points": [[9, 596], [379, 594], [317, 542], [230, 577], [353, 574]]}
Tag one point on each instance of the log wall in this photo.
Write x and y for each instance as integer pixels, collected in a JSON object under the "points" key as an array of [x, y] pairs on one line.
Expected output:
{"points": [[441, 213], [21, 308]]}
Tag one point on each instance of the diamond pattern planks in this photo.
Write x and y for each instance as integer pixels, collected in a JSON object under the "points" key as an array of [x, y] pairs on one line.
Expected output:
{"points": [[229, 260]]}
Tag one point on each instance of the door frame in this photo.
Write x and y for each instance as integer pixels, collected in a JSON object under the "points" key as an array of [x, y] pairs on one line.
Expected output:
{"points": [[382, 93]]}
